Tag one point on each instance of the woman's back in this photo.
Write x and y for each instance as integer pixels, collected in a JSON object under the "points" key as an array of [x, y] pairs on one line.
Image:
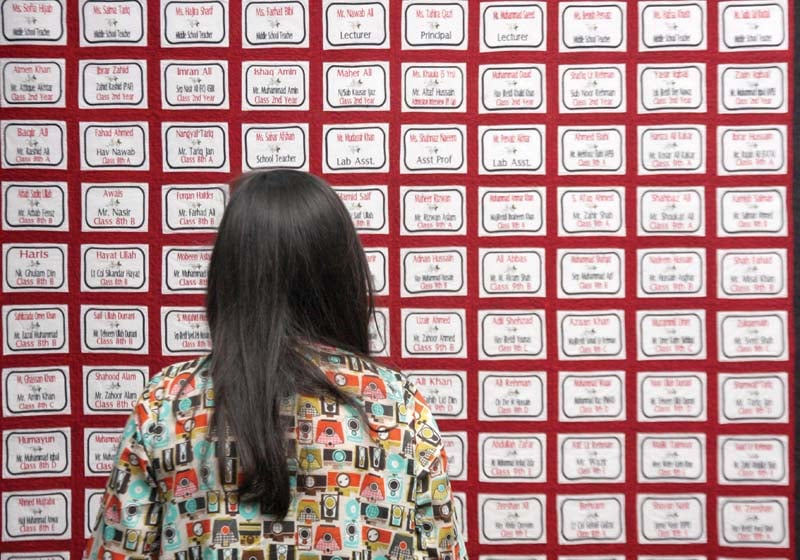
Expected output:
{"points": [[366, 484]]}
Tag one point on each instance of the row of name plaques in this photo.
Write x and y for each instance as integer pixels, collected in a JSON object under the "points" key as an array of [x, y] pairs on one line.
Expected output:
{"points": [[661, 519], [580, 273], [433, 333], [425, 24], [502, 457], [364, 148], [582, 396], [742, 211], [365, 86]]}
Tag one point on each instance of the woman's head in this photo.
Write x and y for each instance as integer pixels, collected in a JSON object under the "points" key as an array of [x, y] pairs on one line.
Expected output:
{"points": [[287, 267], [287, 248]]}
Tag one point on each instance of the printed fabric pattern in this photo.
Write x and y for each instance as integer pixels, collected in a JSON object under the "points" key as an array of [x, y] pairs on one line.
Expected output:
{"points": [[365, 486]]}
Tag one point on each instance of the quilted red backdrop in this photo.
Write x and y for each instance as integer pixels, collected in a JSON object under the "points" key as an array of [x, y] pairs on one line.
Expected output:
{"points": [[578, 216]]}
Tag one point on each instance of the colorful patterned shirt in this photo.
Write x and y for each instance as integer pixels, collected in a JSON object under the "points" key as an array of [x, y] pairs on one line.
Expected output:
{"points": [[364, 487]]}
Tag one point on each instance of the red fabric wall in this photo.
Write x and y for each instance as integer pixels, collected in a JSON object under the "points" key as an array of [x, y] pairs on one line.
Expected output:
{"points": [[616, 427]]}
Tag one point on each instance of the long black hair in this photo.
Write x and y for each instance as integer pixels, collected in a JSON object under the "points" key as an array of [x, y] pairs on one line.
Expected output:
{"points": [[287, 268]]}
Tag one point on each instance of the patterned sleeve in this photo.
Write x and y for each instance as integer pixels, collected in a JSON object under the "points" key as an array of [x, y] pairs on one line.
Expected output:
{"points": [[437, 526], [129, 518]]}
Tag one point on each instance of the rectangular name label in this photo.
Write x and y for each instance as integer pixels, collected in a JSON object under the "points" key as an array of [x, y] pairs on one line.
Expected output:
{"points": [[591, 211], [34, 144], [433, 149], [266, 147], [671, 211], [100, 449], [592, 87], [279, 86], [672, 25], [114, 206], [434, 87], [752, 335], [511, 211], [37, 514], [33, 23], [672, 88], [35, 329], [435, 25], [106, 328], [193, 208], [671, 457], [508, 335], [508, 395], [755, 25], [751, 211], [753, 522], [665, 518], [432, 272], [185, 269], [753, 459], [672, 334], [356, 148], [591, 150], [751, 273], [591, 273], [597, 458], [368, 207], [511, 519], [679, 396], [200, 23], [434, 333], [112, 389], [123, 24], [34, 206], [511, 149], [190, 147], [591, 518], [117, 268], [596, 396], [433, 210], [752, 88], [445, 391], [192, 85], [30, 391], [751, 150], [32, 82], [591, 335], [111, 146], [356, 86], [275, 24], [753, 398], [506, 26], [512, 272], [512, 457], [36, 453], [513, 88], [606, 31], [671, 272], [363, 25], [669, 149], [33, 267], [184, 330], [112, 84]]}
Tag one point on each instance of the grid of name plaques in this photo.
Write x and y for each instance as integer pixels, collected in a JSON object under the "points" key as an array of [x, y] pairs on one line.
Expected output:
{"points": [[576, 214]]}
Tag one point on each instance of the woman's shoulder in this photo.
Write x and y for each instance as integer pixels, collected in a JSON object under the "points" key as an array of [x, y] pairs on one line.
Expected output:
{"points": [[178, 380], [356, 373]]}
